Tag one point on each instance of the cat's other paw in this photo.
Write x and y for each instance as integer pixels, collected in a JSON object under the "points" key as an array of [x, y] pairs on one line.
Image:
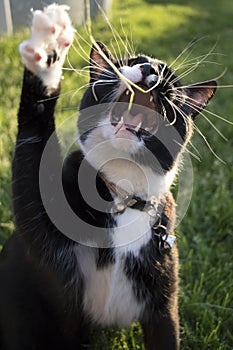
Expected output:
{"points": [[51, 36]]}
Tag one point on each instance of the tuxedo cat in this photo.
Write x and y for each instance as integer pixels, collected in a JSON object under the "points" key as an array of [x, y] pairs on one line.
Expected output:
{"points": [[117, 261]]}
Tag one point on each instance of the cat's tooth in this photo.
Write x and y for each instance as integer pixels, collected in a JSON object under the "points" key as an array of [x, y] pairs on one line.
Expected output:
{"points": [[127, 92], [119, 125], [121, 122], [138, 127], [151, 99]]}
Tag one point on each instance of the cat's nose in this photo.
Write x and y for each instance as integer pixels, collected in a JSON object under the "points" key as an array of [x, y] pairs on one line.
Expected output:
{"points": [[147, 70]]}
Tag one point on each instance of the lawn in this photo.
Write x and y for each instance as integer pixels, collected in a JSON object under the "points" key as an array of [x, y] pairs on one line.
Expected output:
{"points": [[162, 29]]}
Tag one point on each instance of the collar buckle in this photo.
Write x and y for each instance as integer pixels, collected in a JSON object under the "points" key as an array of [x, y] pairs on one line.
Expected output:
{"points": [[166, 241], [127, 202]]}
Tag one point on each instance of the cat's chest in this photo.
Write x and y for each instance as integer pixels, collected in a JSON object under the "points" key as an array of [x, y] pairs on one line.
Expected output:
{"points": [[109, 297]]}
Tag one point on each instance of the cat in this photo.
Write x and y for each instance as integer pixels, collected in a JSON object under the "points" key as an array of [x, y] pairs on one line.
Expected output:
{"points": [[118, 261]]}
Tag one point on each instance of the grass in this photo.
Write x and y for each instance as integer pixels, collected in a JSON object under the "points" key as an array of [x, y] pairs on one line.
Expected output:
{"points": [[163, 29]]}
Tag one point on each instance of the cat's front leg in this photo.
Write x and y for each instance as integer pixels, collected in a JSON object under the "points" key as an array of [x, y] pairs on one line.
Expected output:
{"points": [[43, 56], [45, 52]]}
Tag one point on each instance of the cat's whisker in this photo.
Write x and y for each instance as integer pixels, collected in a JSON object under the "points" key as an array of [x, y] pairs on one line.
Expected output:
{"points": [[198, 63], [96, 66], [77, 90], [83, 57], [174, 112], [104, 82], [188, 71], [219, 117], [81, 53], [85, 41], [55, 97], [164, 112], [114, 32], [129, 46], [184, 116], [118, 56], [93, 91], [183, 61], [208, 144], [86, 74], [198, 58], [188, 46], [211, 113], [111, 95], [127, 82], [188, 151], [87, 69], [104, 73], [195, 148], [202, 135], [79, 72], [195, 86], [118, 59], [185, 120], [195, 108]]}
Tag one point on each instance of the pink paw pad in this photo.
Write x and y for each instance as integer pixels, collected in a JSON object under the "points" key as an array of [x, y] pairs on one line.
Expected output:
{"points": [[38, 57]]}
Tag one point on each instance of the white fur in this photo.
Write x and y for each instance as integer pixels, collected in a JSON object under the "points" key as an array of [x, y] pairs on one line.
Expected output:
{"points": [[51, 30], [108, 294], [117, 164], [132, 231], [109, 298], [133, 74]]}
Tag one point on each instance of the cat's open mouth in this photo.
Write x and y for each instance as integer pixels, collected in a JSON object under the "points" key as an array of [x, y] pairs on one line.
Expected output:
{"points": [[138, 119]]}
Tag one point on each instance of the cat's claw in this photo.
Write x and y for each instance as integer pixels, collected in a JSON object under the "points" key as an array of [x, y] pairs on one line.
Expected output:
{"points": [[51, 37]]}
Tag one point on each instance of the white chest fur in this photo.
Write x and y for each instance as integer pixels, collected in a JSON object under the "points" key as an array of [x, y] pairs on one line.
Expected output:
{"points": [[108, 293]]}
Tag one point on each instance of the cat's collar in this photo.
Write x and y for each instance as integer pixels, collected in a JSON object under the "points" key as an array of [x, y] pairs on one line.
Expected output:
{"points": [[154, 208], [131, 201]]}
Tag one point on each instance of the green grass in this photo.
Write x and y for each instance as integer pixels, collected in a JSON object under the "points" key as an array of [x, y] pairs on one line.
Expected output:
{"points": [[163, 29]]}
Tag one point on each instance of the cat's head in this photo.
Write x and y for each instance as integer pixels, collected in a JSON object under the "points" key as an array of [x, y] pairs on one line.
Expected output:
{"points": [[152, 127]]}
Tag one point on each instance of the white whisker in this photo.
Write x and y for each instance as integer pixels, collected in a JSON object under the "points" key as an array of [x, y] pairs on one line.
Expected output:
{"points": [[174, 112], [208, 144], [114, 32], [190, 70], [130, 51], [195, 107], [188, 46], [188, 151], [195, 148]]}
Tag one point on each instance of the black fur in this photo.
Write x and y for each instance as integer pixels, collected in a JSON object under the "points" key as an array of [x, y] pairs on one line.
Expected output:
{"points": [[41, 284]]}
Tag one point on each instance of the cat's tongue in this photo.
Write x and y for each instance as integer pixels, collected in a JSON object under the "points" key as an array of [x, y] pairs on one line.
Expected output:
{"points": [[129, 126], [141, 116], [132, 122]]}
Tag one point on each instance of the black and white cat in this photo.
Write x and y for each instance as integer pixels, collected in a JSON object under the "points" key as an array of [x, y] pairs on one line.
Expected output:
{"points": [[56, 288]]}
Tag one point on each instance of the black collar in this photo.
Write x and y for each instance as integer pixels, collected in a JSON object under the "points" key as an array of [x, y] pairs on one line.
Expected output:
{"points": [[154, 208]]}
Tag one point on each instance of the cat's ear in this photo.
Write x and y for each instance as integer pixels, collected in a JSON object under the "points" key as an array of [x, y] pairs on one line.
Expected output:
{"points": [[97, 62], [199, 95]]}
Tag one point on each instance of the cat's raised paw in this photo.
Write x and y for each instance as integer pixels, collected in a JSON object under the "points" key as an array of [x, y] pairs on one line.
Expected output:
{"points": [[51, 37]]}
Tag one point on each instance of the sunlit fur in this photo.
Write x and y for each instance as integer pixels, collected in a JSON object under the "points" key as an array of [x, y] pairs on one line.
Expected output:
{"points": [[54, 289]]}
